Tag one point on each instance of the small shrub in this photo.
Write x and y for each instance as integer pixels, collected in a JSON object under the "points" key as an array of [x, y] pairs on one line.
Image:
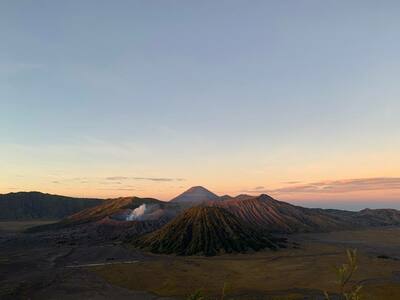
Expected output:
{"points": [[344, 275]]}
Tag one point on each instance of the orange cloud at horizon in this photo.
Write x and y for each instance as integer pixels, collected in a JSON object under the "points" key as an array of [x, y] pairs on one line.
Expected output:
{"points": [[359, 189], [356, 190]]}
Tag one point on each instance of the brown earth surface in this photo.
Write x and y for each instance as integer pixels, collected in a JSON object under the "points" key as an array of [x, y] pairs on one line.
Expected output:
{"points": [[302, 273], [37, 266]]}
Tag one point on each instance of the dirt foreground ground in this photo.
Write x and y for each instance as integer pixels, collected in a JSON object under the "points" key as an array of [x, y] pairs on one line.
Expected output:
{"points": [[39, 267]]}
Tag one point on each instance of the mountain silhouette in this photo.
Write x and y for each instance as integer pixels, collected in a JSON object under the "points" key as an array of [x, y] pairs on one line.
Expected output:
{"points": [[36, 205], [195, 195]]}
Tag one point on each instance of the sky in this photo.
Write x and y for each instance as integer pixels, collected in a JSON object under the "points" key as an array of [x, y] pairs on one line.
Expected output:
{"points": [[297, 99]]}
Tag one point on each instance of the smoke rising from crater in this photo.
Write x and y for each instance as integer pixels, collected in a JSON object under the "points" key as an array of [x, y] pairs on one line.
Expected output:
{"points": [[137, 213]]}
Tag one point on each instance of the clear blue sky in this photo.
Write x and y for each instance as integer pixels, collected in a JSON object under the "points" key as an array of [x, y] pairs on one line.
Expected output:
{"points": [[234, 95]]}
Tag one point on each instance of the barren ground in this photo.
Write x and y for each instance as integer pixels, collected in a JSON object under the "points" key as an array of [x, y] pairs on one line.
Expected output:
{"points": [[46, 266]]}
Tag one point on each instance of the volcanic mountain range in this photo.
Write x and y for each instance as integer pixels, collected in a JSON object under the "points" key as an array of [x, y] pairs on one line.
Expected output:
{"points": [[200, 222], [206, 230]]}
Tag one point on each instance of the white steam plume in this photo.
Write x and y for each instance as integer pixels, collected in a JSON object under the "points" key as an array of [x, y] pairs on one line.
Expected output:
{"points": [[137, 213]]}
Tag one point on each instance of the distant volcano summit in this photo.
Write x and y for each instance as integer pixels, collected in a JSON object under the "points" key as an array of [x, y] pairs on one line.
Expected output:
{"points": [[194, 195]]}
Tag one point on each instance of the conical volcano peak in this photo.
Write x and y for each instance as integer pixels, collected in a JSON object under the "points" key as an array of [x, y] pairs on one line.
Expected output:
{"points": [[196, 194], [198, 188]]}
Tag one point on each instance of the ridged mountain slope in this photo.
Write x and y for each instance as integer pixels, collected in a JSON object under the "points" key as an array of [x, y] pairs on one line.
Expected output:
{"points": [[205, 231], [109, 208], [109, 220], [276, 216]]}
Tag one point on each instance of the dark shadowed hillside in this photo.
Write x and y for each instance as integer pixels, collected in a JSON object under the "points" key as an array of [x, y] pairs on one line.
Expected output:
{"points": [[118, 218], [377, 217], [35, 205], [111, 208], [126, 209], [132, 216], [205, 231], [275, 216]]}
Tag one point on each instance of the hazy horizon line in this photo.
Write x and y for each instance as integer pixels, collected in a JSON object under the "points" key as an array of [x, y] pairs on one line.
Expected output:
{"points": [[324, 203]]}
